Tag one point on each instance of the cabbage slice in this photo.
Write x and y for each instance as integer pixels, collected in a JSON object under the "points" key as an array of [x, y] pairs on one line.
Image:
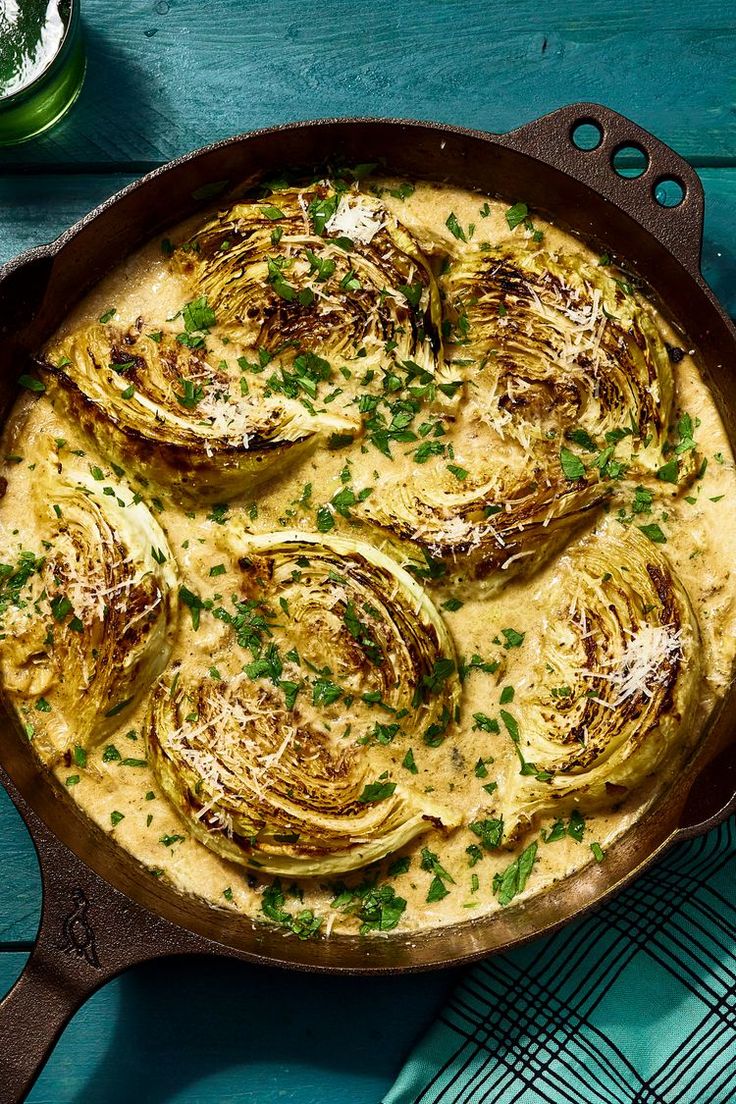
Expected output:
{"points": [[88, 616], [301, 761]]}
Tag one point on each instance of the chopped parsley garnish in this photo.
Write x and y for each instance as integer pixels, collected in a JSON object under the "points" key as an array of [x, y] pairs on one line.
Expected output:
{"points": [[305, 296], [685, 430], [668, 473], [321, 211], [219, 513], [381, 909], [460, 473], [118, 707], [434, 568], [193, 603], [477, 663], [377, 906], [431, 862], [408, 762], [437, 890], [60, 607], [251, 622], [654, 533], [485, 723], [433, 683], [363, 635], [455, 228], [404, 190], [481, 767], [169, 841], [192, 394], [291, 690], [382, 733], [474, 854], [516, 215], [412, 293], [325, 519], [513, 880], [13, 579], [267, 665], [321, 267], [435, 733], [558, 831], [513, 639], [572, 466], [376, 791], [582, 437], [197, 316], [325, 692], [489, 832], [576, 826], [31, 383]]}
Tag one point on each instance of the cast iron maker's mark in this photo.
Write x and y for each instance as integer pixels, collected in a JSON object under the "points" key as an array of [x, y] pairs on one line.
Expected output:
{"points": [[79, 938]]}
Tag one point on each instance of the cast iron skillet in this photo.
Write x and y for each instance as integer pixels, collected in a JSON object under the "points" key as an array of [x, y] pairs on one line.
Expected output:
{"points": [[101, 912]]}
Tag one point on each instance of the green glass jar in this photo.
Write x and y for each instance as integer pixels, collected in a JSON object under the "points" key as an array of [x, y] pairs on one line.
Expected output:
{"points": [[42, 65]]}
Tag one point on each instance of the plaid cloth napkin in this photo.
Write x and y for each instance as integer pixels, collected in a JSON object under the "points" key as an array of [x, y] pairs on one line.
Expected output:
{"points": [[635, 1004]]}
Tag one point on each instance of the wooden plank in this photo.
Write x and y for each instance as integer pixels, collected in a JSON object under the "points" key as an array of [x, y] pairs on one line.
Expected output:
{"points": [[20, 899], [209, 1030], [169, 76], [35, 209]]}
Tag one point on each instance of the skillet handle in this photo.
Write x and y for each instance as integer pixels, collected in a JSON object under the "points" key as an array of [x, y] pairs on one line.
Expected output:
{"points": [[32, 1017], [89, 933], [679, 228]]}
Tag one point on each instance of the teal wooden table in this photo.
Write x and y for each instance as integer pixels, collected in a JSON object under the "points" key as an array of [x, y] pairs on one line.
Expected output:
{"points": [[164, 77]]}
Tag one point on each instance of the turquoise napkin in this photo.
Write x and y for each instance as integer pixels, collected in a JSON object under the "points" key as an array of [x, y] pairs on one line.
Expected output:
{"points": [[636, 1004]]}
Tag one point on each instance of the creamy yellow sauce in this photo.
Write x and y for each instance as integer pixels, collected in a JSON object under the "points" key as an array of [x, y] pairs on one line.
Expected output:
{"points": [[700, 545]]}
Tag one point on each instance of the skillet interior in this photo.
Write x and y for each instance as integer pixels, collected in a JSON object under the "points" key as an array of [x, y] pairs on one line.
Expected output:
{"points": [[35, 297]]}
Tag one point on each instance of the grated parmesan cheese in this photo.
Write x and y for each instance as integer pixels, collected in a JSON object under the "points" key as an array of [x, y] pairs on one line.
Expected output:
{"points": [[357, 222], [640, 664]]}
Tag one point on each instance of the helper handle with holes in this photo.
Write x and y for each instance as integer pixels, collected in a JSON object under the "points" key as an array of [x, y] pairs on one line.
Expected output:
{"points": [[679, 228]]}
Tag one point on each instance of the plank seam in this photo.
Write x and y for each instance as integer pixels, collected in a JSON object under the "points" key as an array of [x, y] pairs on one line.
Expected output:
{"points": [[132, 168]]}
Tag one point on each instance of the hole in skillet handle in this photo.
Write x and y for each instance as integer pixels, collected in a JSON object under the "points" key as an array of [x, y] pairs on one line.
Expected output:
{"points": [[630, 161], [586, 135], [668, 191]]}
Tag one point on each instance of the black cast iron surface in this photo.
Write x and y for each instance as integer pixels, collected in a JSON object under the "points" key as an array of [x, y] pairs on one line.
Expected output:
{"points": [[101, 911]]}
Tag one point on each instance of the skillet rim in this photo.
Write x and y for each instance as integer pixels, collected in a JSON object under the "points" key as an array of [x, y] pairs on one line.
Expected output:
{"points": [[690, 271]]}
